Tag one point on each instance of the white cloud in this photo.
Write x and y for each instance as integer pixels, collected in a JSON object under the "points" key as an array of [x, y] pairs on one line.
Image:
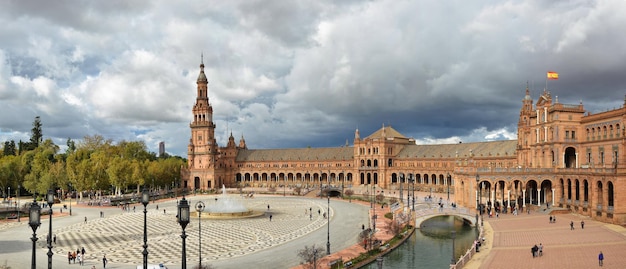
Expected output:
{"points": [[304, 72]]}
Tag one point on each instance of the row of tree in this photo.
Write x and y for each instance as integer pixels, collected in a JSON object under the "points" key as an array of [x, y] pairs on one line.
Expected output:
{"points": [[92, 164]]}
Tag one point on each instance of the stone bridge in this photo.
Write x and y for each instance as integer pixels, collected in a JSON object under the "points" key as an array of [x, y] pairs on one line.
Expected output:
{"points": [[426, 213]]}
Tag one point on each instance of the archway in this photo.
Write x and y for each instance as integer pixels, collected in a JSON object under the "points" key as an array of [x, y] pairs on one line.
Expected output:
{"points": [[570, 157], [546, 192], [531, 192]]}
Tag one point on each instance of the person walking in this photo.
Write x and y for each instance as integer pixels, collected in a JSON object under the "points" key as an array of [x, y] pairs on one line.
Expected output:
{"points": [[54, 239], [540, 249], [600, 259], [270, 217], [571, 225], [582, 224], [104, 261]]}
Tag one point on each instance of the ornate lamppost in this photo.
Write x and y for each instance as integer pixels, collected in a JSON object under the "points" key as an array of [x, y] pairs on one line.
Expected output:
{"points": [[145, 200], [70, 184], [50, 200], [199, 208], [183, 220], [19, 191], [328, 222], [477, 198], [34, 220], [448, 179]]}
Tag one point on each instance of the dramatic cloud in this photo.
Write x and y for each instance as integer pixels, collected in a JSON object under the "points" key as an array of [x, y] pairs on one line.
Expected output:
{"points": [[302, 73]]}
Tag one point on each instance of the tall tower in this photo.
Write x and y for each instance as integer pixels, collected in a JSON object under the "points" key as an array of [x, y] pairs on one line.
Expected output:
{"points": [[202, 150], [526, 116]]}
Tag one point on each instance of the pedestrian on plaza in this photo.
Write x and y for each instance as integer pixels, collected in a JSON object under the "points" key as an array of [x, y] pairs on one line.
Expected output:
{"points": [[600, 258], [157, 207], [571, 225], [554, 219], [582, 224], [270, 217], [540, 249], [163, 211], [268, 207], [550, 219], [311, 216], [533, 250], [82, 250], [79, 257], [104, 261], [74, 257], [69, 257], [319, 212], [54, 239], [133, 209], [85, 219]]}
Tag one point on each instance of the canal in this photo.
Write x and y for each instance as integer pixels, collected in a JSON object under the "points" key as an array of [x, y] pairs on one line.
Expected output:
{"points": [[431, 247]]}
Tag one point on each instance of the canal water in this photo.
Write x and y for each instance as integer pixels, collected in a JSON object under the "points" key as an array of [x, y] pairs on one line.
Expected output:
{"points": [[431, 247]]}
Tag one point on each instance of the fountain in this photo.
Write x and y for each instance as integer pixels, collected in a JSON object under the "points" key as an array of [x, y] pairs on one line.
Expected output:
{"points": [[226, 207]]}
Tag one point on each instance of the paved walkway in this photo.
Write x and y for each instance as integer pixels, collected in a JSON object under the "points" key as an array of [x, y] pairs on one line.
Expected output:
{"points": [[225, 243], [509, 239]]}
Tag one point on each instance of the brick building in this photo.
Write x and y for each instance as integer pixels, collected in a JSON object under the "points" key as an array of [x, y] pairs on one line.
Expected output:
{"points": [[564, 156]]}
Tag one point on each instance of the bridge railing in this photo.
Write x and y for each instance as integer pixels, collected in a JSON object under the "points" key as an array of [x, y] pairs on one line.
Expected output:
{"points": [[463, 260], [444, 210]]}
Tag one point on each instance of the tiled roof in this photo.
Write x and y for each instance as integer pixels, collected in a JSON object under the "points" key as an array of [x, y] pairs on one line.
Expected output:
{"points": [[495, 148], [388, 133], [305, 154]]}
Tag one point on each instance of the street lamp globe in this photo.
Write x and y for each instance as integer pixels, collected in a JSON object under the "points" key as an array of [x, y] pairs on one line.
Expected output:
{"points": [[183, 220], [145, 197], [34, 220], [183, 213], [50, 197]]}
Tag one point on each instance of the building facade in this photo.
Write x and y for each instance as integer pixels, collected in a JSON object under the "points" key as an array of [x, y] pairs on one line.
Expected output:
{"points": [[564, 156]]}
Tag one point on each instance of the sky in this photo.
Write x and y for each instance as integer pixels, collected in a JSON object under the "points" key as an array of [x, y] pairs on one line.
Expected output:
{"points": [[300, 73]]}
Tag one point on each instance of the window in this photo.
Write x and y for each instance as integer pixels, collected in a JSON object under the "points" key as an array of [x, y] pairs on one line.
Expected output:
{"points": [[601, 157], [573, 134]]}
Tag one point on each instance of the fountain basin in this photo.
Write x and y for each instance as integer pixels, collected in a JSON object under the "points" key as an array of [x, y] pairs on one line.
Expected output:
{"points": [[229, 215]]}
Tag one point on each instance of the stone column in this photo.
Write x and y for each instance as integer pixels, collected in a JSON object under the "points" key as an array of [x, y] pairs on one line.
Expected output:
{"points": [[508, 200], [553, 198], [538, 196], [523, 198]]}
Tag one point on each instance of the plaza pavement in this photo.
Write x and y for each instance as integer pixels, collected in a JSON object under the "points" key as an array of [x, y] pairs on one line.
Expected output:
{"points": [[236, 243], [261, 244], [509, 239]]}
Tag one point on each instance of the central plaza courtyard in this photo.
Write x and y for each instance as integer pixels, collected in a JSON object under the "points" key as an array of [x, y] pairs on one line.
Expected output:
{"points": [[225, 243]]}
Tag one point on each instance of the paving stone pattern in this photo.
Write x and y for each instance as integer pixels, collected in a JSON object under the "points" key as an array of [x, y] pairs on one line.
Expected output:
{"points": [[118, 236]]}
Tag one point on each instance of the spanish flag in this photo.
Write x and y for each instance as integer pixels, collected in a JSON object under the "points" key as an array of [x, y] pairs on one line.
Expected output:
{"points": [[553, 75]]}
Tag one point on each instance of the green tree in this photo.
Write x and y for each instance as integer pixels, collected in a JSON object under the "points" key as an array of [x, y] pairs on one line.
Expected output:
{"points": [[71, 146], [9, 148], [39, 161], [36, 134]]}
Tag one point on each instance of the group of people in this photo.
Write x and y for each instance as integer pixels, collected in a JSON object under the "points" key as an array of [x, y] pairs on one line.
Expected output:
{"points": [[537, 250], [582, 225], [79, 255]]}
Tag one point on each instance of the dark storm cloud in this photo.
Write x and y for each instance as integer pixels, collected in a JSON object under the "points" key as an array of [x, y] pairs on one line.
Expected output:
{"points": [[302, 73]]}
